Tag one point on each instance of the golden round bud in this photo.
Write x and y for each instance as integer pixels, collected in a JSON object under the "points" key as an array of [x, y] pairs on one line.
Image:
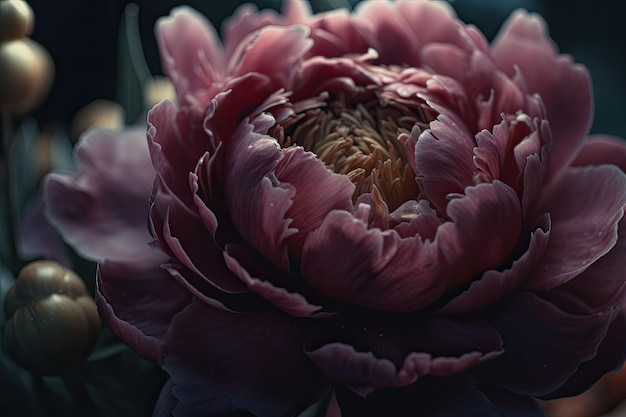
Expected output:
{"points": [[27, 71], [52, 323], [157, 89], [99, 113], [16, 19]]}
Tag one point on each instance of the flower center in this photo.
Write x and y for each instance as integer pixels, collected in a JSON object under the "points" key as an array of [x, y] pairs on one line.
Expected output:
{"points": [[361, 142]]}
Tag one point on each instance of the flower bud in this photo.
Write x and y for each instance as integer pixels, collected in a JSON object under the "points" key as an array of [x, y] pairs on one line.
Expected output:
{"points": [[52, 323], [27, 71], [98, 114], [16, 19]]}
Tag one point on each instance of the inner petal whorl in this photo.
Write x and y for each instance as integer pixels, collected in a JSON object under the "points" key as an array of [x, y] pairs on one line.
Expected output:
{"points": [[361, 142]]}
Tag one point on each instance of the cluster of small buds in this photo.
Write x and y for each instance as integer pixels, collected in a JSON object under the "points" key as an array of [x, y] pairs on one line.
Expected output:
{"points": [[52, 322], [26, 67]]}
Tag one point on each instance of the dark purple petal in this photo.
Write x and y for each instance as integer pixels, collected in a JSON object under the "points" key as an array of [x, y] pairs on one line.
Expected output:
{"points": [[191, 52], [370, 268], [585, 204], [367, 352], [565, 88], [544, 344], [195, 250], [138, 299], [167, 403], [453, 396], [100, 211], [610, 357], [252, 362], [251, 271]]}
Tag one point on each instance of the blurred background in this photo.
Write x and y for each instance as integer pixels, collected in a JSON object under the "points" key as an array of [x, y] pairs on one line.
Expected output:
{"points": [[82, 38], [98, 49]]}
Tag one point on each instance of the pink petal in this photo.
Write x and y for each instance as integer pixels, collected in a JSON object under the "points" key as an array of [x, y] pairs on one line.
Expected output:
{"points": [[282, 205], [400, 30], [347, 262], [244, 21], [258, 201], [494, 285], [443, 160], [102, 209], [565, 88], [191, 52], [392, 34], [273, 51], [176, 145], [484, 228], [602, 149], [317, 193], [337, 33], [585, 205], [599, 287]]}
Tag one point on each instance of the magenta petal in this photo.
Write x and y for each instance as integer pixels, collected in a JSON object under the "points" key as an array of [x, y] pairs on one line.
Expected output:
{"points": [[585, 205], [544, 344], [602, 149], [191, 52], [565, 88], [252, 362], [138, 300], [371, 268], [102, 208]]}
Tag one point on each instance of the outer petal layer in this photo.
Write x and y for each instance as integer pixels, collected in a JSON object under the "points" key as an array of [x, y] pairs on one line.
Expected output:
{"points": [[252, 362], [102, 208], [565, 88]]}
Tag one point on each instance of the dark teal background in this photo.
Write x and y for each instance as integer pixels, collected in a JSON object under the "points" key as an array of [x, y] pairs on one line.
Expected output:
{"points": [[82, 36]]}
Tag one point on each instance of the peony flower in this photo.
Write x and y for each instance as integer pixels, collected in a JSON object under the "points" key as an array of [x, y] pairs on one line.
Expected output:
{"points": [[381, 205]]}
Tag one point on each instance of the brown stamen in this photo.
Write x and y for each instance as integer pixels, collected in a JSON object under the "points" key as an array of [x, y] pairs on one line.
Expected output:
{"points": [[361, 142]]}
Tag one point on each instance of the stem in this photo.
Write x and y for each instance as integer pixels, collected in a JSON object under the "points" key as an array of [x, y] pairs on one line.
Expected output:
{"points": [[5, 177]]}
